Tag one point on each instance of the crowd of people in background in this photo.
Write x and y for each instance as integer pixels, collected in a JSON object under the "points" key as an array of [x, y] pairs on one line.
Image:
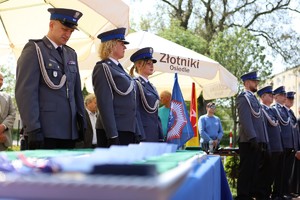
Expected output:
{"points": [[268, 142]]}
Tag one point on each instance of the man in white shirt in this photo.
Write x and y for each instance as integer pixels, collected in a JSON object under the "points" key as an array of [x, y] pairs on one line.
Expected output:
{"points": [[90, 139], [7, 118]]}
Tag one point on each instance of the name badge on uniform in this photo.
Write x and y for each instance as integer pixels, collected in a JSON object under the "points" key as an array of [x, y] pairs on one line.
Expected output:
{"points": [[54, 74], [71, 62]]}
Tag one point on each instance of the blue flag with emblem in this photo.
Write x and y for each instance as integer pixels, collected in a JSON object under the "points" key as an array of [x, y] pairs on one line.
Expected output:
{"points": [[180, 129]]}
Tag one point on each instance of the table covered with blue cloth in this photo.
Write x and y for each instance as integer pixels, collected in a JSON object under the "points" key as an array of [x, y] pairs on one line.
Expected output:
{"points": [[206, 181], [180, 175]]}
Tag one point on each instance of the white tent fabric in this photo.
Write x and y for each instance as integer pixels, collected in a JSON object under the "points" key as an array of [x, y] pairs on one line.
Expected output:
{"points": [[214, 80], [209, 76], [21, 20]]}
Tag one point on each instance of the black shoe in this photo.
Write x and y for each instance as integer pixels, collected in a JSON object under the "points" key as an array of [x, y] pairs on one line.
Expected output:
{"points": [[243, 198], [276, 198], [287, 197], [263, 198], [293, 195]]}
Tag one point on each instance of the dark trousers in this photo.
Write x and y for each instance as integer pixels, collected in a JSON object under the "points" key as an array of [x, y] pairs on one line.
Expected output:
{"points": [[277, 173], [247, 171], [288, 160], [124, 137], [262, 178], [269, 175], [295, 180], [52, 143]]}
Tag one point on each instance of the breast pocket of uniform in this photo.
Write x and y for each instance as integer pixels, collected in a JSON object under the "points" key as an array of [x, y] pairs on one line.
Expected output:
{"points": [[73, 70], [150, 97], [54, 71], [255, 106]]}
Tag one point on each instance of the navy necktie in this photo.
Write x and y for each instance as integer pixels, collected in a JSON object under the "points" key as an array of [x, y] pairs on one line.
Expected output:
{"points": [[60, 51], [150, 85], [119, 65]]}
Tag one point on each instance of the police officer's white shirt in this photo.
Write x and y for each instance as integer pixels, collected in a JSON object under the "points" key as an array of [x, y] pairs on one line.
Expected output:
{"points": [[145, 79], [93, 118], [250, 92], [281, 106], [114, 60], [53, 43]]}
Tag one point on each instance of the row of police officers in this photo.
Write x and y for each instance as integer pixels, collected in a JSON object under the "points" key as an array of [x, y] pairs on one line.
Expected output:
{"points": [[49, 97], [268, 140]]}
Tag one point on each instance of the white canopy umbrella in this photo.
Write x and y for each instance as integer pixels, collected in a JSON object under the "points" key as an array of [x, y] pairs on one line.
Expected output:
{"points": [[214, 80], [21, 20]]}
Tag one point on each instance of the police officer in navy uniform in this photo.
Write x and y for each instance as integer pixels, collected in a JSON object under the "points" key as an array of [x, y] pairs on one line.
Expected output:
{"points": [[273, 160], [295, 179], [252, 137], [115, 90], [148, 98], [48, 88], [287, 139]]}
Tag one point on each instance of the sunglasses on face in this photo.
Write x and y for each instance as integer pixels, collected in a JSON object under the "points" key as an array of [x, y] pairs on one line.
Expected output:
{"points": [[212, 106]]}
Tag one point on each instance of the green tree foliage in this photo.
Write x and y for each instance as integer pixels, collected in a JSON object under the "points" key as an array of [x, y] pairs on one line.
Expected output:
{"points": [[184, 37], [240, 52], [270, 21], [238, 34], [231, 169], [9, 81], [84, 91]]}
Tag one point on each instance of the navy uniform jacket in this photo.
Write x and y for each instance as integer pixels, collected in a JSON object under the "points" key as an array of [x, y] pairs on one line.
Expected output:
{"points": [[250, 126], [116, 112], [286, 128], [151, 122], [273, 129], [40, 106], [294, 124]]}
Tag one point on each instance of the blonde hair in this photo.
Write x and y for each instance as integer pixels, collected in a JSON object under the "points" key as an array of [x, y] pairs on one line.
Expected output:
{"points": [[166, 93], [141, 63], [106, 48]]}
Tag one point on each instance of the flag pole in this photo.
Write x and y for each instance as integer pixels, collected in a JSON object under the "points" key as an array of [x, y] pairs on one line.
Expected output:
{"points": [[194, 142]]}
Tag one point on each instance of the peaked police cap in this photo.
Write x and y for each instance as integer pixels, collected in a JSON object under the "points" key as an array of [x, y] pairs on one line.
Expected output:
{"points": [[115, 34], [143, 54], [67, 17]]}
